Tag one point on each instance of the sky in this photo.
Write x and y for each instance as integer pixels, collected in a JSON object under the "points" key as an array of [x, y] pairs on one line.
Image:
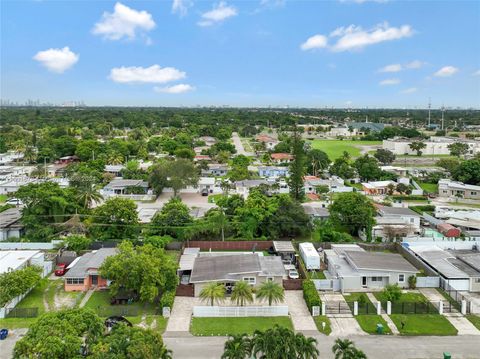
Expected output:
{"points": [[339, 53]]}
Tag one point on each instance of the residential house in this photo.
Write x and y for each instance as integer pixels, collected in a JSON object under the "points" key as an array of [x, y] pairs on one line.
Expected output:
{"points": [[198, 158], [209, 140], [276, 186], [115, 170], [316, 210], [410, 217], [10, 225], [376, 188], [215, 169], [83, 272], [454, 189], [269, 141], [357, 269], [120, 187], [335, 184], [18, 259], [228, 269], [273, 171], [279, 158]]}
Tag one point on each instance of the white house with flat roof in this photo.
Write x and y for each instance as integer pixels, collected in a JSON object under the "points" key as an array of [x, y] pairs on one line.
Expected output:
{"points": [[14, 260], [454, 189]]}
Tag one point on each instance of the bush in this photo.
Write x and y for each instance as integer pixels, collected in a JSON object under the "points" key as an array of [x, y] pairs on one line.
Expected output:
{"points": [[13, 284], [310, 294], [392, 293], [421, 209], [412, 282], [168, 298], [410, 198], [77, 243]]}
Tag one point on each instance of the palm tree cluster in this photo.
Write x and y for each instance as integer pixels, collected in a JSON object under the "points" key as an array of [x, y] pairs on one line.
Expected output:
{"points": [[243, 293], [344, 349], [275, 343]]}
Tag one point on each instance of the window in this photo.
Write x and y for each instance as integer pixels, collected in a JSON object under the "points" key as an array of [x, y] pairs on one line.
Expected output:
{"points": [[473, 193], [270, 279], [250, 280], [74, 280], [401, 278], [376, 279], [477, 280]]}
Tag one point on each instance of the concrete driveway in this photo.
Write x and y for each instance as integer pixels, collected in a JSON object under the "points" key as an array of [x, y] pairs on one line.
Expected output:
{"points": [[301, 318], [181, 315], [7, 345], [342, 324]]}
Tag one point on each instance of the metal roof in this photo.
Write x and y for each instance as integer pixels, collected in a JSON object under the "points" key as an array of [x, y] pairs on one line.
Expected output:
{"points": [[272, 266], [9, 217], [12, 260], [397, 211], [283, 246]]}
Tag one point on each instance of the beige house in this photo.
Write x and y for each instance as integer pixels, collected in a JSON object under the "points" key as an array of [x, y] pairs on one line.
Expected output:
{"points": [[228, 269], [453, 189]]}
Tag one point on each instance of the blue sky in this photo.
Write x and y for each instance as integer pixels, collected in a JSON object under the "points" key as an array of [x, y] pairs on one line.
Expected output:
{"points": [[242, 53]]}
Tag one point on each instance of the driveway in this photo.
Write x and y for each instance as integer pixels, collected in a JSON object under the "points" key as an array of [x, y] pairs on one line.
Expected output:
{"points": [[344, 323], [301, 318], [239, 145], [7, 345], [181, 315]]}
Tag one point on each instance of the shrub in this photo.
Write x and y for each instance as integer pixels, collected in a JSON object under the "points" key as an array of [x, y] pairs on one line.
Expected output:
{"points": [[310, 294], [13, 284], [77, 243], [409, 198], [391, 292], [168, 298], [412, 282]]}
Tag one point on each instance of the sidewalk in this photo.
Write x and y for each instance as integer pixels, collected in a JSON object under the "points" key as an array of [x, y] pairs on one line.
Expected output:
{"points": [[384, 315], [86, 298]]}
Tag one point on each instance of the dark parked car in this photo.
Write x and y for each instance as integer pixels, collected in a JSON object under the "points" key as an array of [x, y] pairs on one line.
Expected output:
{"points": [[110, 322]]}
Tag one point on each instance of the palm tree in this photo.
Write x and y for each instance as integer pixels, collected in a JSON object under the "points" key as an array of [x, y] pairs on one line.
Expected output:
{"points": [[213, 292], [242, 293], [272, 292], [306, 347], [344, 349], [237, 347], [86, 195], [115, 158]]}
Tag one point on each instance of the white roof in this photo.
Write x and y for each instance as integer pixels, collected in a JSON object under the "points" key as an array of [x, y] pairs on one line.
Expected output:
{"points": [[309, 249], [13, 260], [206, 181], [377, 184]]}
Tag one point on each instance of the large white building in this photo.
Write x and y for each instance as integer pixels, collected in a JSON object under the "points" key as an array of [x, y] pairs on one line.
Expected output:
{"points": [[434, 145]]}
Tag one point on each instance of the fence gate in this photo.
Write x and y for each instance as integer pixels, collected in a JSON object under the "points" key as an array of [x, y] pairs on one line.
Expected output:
{"points": [[337, 307]]}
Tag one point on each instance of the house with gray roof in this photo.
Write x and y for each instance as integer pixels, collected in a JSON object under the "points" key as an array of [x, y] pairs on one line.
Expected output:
{"points": [[10, 225], [83, 272], [253, 268], [357, 269]]}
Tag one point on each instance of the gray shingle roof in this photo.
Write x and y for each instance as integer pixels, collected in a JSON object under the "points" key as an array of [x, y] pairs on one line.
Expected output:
{"points": [[215, 268], [379, 261], [9, 217], [398, 211], [90, 260], [272, 266]]}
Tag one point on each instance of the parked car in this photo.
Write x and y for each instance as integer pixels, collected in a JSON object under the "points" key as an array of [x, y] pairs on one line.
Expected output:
{"points": [[115, 319], [61, 269], [15, 202], [293, 274], [204, 192]]}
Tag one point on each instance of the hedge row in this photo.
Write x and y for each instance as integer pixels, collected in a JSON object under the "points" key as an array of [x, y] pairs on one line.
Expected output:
{"points": [[421, 209], [310, 294], [167, 299], [410, 198]]}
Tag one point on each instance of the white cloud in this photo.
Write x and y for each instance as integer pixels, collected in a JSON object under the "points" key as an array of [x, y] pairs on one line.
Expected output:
{"points": [[152, 74], [389, 82], [57, 60], [355, 37], [123, 22], [416, 64], [409, 90], [175, 89], [219, 13], [476, 73], [181, 6], [314, 42], [391, 68], [446, 71]]}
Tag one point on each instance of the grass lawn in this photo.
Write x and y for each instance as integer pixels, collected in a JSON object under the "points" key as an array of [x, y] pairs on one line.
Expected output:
{"points": [[368, 323], [3, 198], [16, 323], [213, 198], [429, 187], [231, 326], [319, 320], [335, 148], [316, 275], [35, 297], [474, 319], [406, 297], [423, 324]]}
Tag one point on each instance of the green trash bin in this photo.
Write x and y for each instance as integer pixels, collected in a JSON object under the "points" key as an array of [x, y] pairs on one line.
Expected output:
{"points": [[447, 355], [379, 329]]}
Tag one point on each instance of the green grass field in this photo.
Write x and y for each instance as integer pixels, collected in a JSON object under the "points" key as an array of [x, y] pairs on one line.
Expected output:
{"points": [[231, 326], [429, 187], [335, 148], [3, 198], [423, 324], [368, 323], [474, 319], [319, 320]]}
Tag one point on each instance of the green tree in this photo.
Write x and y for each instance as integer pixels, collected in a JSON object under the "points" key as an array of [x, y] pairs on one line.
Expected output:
{"points": [[172, 219], [458, 149], [176, 174], [391, 292], [384, 156], [77, 243], [367, 168], [242, 293], [213, 293], [341, 168], [271, 292], [345, 349], [85, 191], [60, 334], [450, 164], [417, 146], [468, 172], [125, 342], [237, 347], [18, 282], [185, 153], [145, 270], [352, 211], [317, 161], [297, 167], [116, 219]]}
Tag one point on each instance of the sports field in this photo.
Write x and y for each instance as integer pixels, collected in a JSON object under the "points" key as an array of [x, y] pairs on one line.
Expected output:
{"points": [[335, 148]]}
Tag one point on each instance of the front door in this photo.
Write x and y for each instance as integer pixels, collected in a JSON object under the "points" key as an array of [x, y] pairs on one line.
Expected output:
{"points": [[94, 279], [364, 282]]}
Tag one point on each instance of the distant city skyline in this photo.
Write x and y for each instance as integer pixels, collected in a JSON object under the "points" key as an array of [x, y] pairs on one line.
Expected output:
{"points": [[259, 53]]}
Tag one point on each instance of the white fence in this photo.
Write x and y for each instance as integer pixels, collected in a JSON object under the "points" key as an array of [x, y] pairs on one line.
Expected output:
{"points": [[327, 284], [428, 282], [274, 311], [10, 305], [29, 245]]}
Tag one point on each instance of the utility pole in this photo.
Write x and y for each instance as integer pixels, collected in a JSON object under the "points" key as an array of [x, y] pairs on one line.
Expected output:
{"points": [[429, 110], [443, 117]]}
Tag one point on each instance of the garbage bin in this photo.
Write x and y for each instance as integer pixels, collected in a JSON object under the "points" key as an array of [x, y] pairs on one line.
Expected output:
{"points": [[447, 355], [3, 334], [379, 329]]}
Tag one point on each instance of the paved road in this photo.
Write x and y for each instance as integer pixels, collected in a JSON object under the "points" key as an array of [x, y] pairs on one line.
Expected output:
{"points": [[376, 347], [239, 145]]}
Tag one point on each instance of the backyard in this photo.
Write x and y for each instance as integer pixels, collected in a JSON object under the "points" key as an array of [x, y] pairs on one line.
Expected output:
{"points": [[335, 148], [238, 325]]}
